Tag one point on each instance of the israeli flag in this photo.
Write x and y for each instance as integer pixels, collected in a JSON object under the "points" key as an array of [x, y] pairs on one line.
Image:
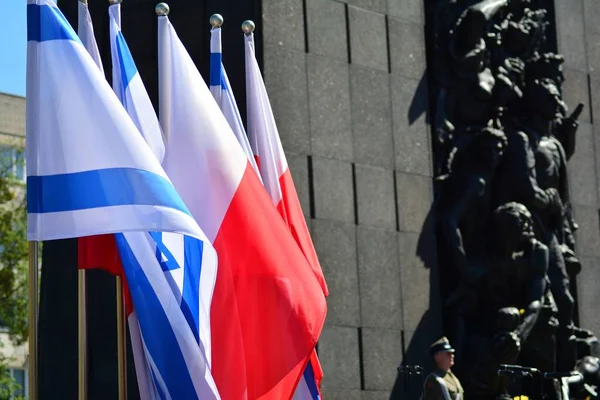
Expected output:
{"points": [[85, 31], [177, 356], [130, 89], [91, 172], [222, 93]]}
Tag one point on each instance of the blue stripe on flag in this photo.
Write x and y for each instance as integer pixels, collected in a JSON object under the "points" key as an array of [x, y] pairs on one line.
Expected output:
{"points": [[309, 377], [157, 386], [216, 67], [190, 305], [100, 188], [128, 68], [48, 23], [156, 328], [168, 262]]}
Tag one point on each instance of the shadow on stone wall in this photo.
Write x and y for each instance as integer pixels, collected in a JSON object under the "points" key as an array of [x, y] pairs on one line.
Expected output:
{"points": [[429, 328]]}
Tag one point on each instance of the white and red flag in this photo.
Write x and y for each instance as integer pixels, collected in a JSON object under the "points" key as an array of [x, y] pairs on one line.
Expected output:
{"points": [[268, 307]]}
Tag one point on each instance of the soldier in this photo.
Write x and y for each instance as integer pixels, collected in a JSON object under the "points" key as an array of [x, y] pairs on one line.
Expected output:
{"points": [[442, 384]]}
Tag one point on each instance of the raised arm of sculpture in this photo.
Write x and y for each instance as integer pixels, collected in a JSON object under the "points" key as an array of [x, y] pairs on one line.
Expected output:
{"points": [[566, 130]]}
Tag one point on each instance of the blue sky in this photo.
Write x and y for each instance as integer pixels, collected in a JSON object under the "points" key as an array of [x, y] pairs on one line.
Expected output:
{"points": [[13, 46]]}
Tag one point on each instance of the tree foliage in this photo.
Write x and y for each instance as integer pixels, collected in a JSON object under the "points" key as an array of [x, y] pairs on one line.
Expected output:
{"points": [[13, 254], [13, 266]]}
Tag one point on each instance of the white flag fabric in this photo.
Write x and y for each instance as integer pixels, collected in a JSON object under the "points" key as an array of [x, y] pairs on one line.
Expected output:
{"points": [[130, 89], [85, 30], [223, 94], [89, 170]]}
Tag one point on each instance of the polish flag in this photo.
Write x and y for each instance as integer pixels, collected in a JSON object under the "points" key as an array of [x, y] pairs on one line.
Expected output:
{"points": [[273, 166], [272, 163], [268, 308]]}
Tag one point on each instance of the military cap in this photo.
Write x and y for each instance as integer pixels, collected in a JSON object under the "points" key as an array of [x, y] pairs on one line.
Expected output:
{"points": [[440, 345]]}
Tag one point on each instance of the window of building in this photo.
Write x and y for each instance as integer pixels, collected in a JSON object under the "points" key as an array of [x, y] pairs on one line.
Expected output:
{"points": [[12, 163], [19, 376]]}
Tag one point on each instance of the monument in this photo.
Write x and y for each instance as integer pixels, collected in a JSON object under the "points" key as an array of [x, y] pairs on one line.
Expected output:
{"points": [[359, 108], [503, 137]]}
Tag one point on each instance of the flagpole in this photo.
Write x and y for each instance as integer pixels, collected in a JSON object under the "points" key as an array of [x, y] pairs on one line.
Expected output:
{"points": [[121, 359], [82, 335], [33, 319]]}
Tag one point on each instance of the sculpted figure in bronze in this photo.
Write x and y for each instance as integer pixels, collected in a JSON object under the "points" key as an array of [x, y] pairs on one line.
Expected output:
{"points": [[502, 139]]}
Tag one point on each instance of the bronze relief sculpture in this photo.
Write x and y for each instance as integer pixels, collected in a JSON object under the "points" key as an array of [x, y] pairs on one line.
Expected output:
{"points": [[503, 137]]}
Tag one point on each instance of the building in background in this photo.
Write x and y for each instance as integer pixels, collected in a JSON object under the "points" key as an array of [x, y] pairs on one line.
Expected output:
{"points": [[12, 163]]}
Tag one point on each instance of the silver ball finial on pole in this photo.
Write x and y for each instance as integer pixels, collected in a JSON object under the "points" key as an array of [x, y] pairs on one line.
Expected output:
{"points": [[248, 27], [216, 20], [162, 9], [113, 2]]}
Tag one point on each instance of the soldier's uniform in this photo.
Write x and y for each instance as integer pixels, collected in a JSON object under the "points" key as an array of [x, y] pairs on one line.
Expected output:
{"points": [[442, 385]]}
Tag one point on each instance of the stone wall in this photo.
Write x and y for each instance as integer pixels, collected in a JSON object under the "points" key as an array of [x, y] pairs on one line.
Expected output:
{"points": [[348, 86], [578, 34], [12, 115]]}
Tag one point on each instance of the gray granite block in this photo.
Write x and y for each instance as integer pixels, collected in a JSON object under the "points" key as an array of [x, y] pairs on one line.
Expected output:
{"points": [[415, 278], [575, 90], [412, 138], [335, 243], [382, 353], [375, 197], [333, 189], [597, 169], [412, 10], [329, 105], [591, 14], [368, 41], [378, 6], [594, 103], [571, 33], [283, 23], [588, 235], [339, 356], [582, 168], [593, 53], [371, 117], [415, 196], [407, 48], [326, 21], [375, 395], [298, 165], [342, 394], [285, 79], [379, 278], [588, 294]]}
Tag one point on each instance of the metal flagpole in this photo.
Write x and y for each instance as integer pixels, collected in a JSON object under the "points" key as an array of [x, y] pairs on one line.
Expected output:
{"points": [[121, 359], [82, 381], [33, 319], [82, 377]]}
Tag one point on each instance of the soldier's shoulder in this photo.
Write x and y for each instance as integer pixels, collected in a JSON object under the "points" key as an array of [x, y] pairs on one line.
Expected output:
{"points": [[433, 380]]}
